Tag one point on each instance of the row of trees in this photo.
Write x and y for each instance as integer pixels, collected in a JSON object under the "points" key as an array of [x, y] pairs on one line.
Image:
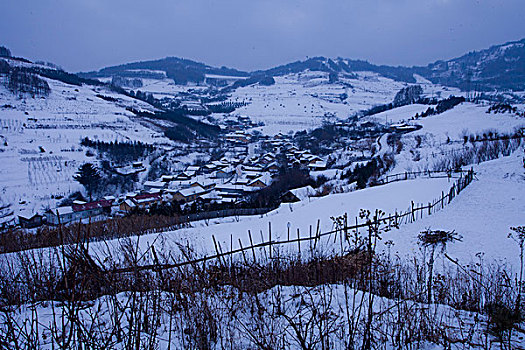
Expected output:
{"points": [[22, 81], [442, 106], [120, 151], [126, 82]]}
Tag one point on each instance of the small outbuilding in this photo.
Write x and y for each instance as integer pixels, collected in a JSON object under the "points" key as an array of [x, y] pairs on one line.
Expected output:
{"points": [[30, 220]]}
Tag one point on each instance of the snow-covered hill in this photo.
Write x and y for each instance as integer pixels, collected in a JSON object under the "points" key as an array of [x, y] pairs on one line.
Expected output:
{"points": [[304, 100], [500, 67], [40, 139]]}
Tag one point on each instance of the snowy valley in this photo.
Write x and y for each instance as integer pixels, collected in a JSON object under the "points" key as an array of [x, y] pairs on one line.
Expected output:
{"points": [[321, 204]]}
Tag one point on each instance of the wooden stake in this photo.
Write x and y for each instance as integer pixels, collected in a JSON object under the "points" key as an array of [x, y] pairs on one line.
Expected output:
{"points": [[243, 254], [299, 243], [251, 244], [270, 238]]}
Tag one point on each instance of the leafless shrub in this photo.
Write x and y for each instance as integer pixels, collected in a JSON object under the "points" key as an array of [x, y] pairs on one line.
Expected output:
{"points": [[358, 298]]}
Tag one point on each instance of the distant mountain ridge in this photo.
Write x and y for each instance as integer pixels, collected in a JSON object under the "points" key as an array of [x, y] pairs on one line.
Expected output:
{"points": [[180, 70], [500, 67]]}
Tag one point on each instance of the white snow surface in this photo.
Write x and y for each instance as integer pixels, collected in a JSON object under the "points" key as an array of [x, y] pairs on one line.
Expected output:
{"points": [[302, 216], [482, 214], [303, 100]]}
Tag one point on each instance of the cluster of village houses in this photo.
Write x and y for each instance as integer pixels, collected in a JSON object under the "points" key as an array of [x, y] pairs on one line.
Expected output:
{"points": [[220, 181]]}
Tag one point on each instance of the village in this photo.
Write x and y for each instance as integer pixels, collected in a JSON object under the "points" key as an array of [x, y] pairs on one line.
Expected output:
{"points": [[222, 183], [250, 164]]}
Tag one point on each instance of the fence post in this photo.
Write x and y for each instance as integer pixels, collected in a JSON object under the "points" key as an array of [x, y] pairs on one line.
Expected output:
{"points": [[299, 243], [216, 248], [318, 231], [243, 254], [442, 199], [395, 218], [412, 211], [251, 244], [270, 238]]}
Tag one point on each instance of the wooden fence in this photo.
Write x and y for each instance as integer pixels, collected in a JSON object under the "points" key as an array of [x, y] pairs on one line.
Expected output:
{"points": [[215, 214], [415, 212], [410, 175]]}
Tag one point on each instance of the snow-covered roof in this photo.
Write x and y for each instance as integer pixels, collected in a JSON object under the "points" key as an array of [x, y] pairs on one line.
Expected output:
{"points": [[130, 203], [261, 179], [236, 188], [155, 184], [303, 192], [317, 165], [28, 215], [203, 182], [193, 168], [63, 210], [241, 181], [192, 191], [213, 196]]}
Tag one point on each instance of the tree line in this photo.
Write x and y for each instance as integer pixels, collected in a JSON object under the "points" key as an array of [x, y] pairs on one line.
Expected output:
{"points": [[120, 151], [20, 80]]}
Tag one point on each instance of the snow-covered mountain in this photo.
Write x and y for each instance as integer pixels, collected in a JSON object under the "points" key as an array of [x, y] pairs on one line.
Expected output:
{"points": [[181, 71], [500, 67]]}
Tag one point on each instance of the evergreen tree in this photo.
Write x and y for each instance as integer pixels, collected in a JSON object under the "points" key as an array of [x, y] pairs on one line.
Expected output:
{"points": [[4, 52], [89, 177]]}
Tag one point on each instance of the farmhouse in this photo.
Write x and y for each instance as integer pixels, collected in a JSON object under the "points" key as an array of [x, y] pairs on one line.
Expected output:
{"points": [[78, 211], [143, 201], [223, 173], [60, 215], [127, 205], [317, 165], [189, 194], [298, 194], [259, 182], [30, 220]]}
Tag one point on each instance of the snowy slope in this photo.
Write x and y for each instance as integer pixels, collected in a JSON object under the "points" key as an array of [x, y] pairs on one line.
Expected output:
{"points": [[483, 214], [303, 100], [289, 217], [442, 134], [40, 139]]}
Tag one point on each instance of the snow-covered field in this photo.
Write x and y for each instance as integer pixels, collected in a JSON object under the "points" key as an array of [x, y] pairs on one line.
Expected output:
{"points": [[483, 214], [303, 100], [167, 88], [302, 216]]}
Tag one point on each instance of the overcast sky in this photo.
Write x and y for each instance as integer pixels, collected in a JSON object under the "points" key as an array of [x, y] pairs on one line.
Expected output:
{"points": [[85, 35]]}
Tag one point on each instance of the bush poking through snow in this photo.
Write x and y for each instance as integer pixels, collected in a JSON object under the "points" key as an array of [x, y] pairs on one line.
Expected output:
{"points": [[434, 239]]}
